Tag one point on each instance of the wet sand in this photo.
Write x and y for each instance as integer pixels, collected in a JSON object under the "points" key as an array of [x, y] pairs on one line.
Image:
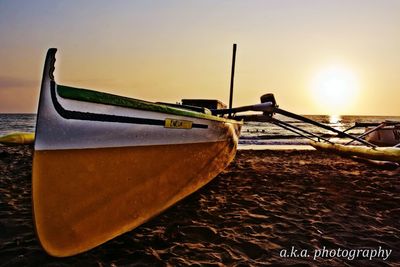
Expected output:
{"points": [[265, 201]]}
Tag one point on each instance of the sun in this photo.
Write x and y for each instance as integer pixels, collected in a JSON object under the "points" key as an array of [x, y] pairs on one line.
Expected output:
{"points": [[334, 89]]}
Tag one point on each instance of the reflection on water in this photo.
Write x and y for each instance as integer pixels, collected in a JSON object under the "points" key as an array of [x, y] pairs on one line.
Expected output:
{"points": [[333, 119]]}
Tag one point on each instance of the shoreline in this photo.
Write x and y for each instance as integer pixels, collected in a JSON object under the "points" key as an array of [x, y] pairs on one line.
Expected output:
{"points": [[265, 201]]}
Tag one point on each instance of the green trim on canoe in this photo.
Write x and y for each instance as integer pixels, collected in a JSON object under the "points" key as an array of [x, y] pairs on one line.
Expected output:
{"points": [[110, 99]]}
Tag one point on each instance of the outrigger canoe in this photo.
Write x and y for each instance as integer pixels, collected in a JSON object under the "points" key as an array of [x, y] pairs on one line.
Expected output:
{"points": [[104, 164]]}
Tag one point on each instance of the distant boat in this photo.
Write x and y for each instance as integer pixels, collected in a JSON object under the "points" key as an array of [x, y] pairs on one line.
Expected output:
{"points": [[17, 138], [104, 164]]}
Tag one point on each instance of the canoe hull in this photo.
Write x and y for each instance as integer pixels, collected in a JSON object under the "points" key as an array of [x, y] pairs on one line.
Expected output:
{"points": [[86, 197], [105, 164]]}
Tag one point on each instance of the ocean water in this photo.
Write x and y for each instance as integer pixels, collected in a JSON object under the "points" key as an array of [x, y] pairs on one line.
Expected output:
{"points": [[253, 133], [10, 123], [256, 133]]}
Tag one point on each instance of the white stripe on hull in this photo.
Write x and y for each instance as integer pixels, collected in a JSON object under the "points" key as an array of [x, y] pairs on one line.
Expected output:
{"points": [[55, 132]]}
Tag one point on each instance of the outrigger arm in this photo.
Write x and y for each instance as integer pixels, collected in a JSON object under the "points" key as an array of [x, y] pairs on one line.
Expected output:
{"points": [[340, 133], [368, 132], [269, 108]]}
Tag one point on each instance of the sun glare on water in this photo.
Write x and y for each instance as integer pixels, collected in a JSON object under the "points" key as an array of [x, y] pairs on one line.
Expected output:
{"points": [[334, 89]]}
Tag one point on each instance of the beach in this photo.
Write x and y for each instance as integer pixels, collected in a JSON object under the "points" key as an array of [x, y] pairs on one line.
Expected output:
{"points": [[265, 203]]}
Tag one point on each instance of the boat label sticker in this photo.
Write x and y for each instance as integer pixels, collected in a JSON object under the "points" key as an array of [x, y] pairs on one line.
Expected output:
{"points": [[178, 124]]}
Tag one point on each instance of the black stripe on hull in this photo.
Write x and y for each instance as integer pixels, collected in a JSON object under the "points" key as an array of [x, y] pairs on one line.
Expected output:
{"points": [[87, 116]]}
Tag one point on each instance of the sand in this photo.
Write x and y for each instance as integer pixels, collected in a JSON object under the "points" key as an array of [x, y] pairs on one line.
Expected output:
{"points": [[264, 202]]}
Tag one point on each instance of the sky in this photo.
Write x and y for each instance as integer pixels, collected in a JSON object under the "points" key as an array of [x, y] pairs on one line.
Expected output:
{"points": [[317, 57]]}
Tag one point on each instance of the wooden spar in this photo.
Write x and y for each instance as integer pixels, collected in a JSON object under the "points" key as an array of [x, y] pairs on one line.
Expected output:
{"points": [[271, 108], [265, 107], [291, 127], [263, 118], [351, 128], [285, 125], [232, 77], [369, 124], [368, 132], [340, 133], [253, 117]]}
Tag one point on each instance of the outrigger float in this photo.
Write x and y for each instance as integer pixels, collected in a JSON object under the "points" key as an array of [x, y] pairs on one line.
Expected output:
{"points": [[105, 164], [18, 138], [382, 142]]}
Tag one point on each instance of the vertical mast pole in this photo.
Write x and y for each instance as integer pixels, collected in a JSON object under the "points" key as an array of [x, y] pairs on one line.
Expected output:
{"points": [[232, 77]]}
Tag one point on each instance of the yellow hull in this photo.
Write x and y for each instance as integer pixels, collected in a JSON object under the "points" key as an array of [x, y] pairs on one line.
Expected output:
{"points": [[85, 197]]}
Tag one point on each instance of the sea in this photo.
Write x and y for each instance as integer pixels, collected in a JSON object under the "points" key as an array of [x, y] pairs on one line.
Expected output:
{"points": [[255, 135]]}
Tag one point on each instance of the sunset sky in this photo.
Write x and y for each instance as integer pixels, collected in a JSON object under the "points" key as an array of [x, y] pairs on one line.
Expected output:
{"points": [[317, 57]]}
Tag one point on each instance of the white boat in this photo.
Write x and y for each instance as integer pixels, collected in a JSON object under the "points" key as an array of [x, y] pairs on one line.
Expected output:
{"points": [[104, 164], [386, 133], [386, 136]]}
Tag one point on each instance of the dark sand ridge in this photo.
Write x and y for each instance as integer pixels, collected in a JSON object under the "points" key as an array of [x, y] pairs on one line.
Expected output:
{"points": [[264, 202]]}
